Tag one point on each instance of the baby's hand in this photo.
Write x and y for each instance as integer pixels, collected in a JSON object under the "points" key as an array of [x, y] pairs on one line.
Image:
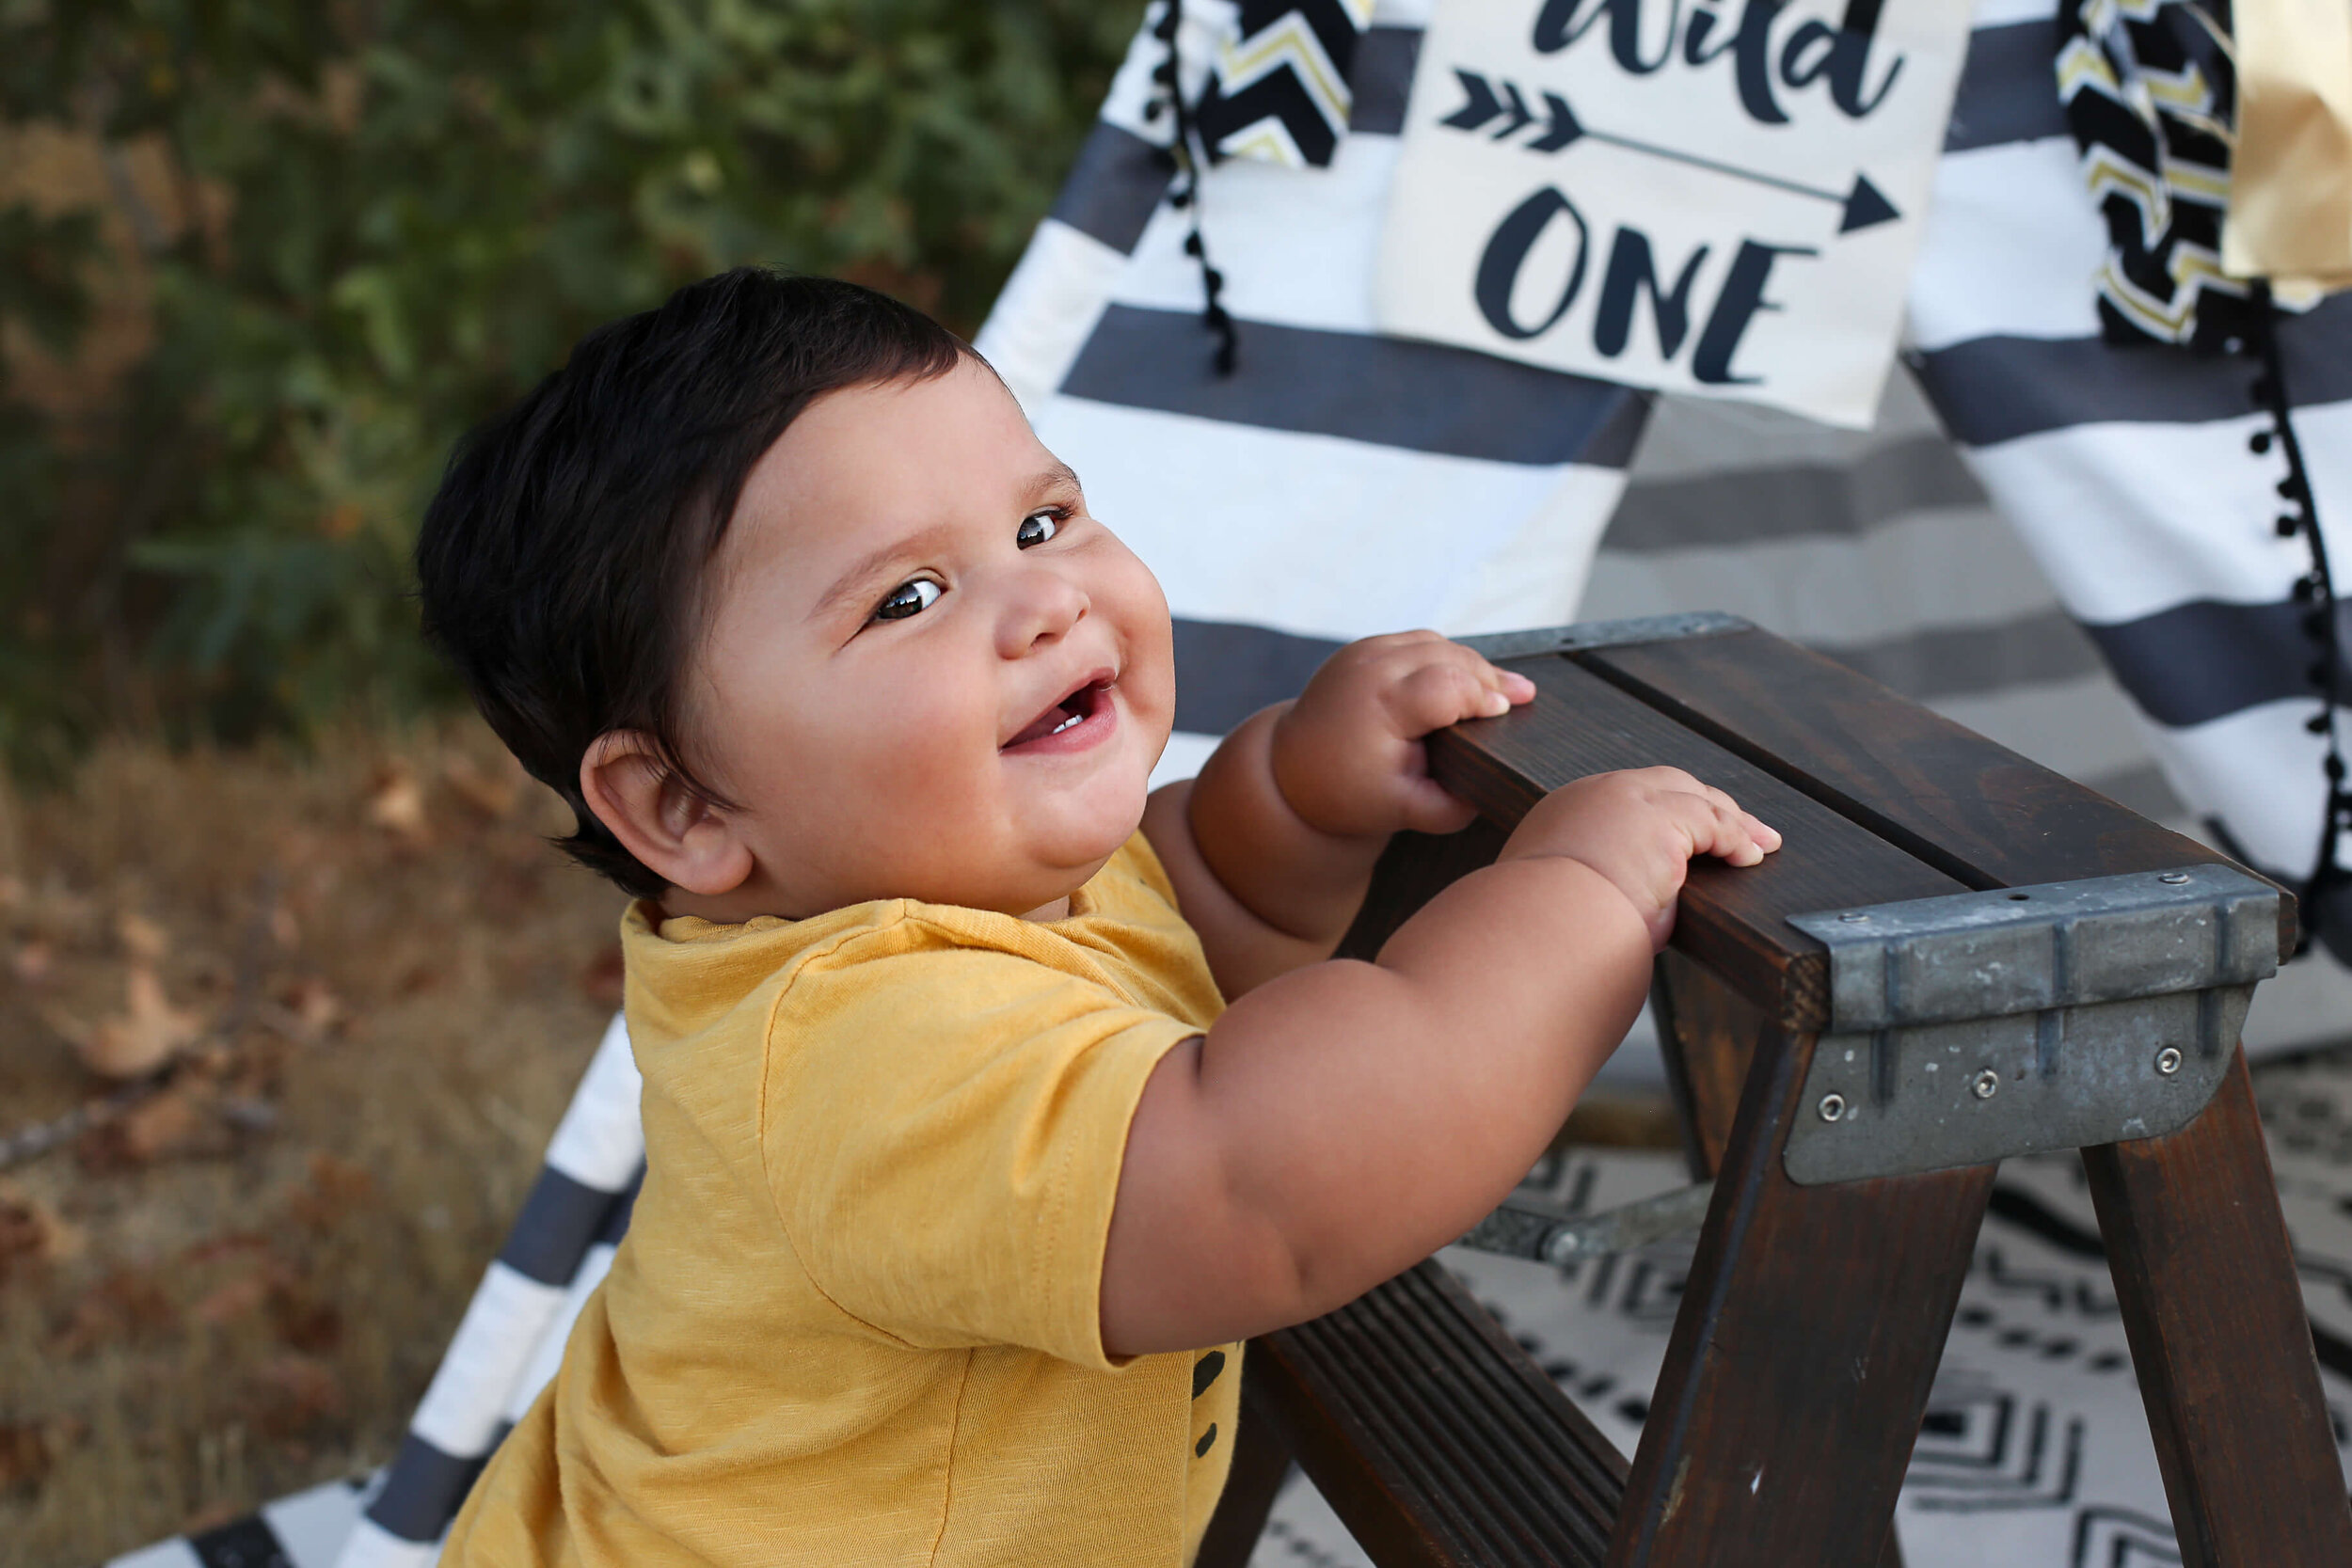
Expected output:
{"points": [[1347, 754], [1640, 828]]}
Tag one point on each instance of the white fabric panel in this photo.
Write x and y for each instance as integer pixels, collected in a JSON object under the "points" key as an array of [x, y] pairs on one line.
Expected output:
{"points": [[2001, 13], [371, 1545], [2012, 245], [174, 1553], [1048, 307], [549, 1352], [509, 1314], [1212, 510], [2213, 761], [1132, 87], [2123, 535], [599, 1143], [312, 1525], [1294, 248]]}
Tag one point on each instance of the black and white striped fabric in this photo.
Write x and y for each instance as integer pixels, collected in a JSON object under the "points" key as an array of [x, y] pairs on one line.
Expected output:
{"points": [[1341, 484]]}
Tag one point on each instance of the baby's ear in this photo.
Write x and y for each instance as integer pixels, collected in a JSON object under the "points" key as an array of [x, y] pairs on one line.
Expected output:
{"points": [[672, 829]]}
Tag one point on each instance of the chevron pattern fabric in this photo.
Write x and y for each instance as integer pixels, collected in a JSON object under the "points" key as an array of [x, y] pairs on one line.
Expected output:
{"points": [[2151, 95], [1280, 91]]}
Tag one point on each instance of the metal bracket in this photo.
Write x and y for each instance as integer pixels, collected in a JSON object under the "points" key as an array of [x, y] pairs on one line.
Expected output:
{"points": [[1524, 1227], [1604, 634], [2018, 1021]]}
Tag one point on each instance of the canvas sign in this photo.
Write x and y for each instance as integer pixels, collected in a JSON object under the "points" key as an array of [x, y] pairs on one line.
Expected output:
{"points": [[1713, 196]]}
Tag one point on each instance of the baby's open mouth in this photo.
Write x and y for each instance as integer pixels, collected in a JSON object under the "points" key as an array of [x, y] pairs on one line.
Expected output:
{"points": [[1068, 714]]}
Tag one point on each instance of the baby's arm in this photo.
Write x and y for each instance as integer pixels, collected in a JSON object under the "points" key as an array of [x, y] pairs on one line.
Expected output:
{"points": [[1344, 1121], [1271, 848]]}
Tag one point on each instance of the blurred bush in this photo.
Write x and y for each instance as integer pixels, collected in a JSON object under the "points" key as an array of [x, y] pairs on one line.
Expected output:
{"points": [[283, 253]]}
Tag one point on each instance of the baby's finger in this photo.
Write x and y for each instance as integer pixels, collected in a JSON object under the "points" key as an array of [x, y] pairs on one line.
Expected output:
{"points": [[1442, 693], [1733, 834]]}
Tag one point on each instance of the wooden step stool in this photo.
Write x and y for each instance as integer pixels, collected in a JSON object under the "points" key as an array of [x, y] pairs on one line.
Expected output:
{"points": [[1850, 1086]]}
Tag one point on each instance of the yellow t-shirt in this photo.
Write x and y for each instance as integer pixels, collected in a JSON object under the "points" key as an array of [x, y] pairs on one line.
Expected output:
{"points": [[856, 1318]]}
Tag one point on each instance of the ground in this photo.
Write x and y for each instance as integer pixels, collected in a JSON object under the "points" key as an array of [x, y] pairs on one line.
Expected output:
{"points": [[371, 985]]}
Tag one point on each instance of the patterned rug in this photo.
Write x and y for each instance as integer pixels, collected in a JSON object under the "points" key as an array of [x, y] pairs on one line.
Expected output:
{"points": [[2035, 1450]]}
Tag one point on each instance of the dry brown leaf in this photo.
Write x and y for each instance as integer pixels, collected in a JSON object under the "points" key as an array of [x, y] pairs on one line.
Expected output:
{"points": [[33, 962], [492, 794], [11, 892], [314, 1005], [293, 1393], [125, 1302], [284, 930], [141, 938], [170, 1122], [142, 1037], [336, 1187], [396, 803], [602, 977], [31, 1234], [24, 1455], [240, 1298]]}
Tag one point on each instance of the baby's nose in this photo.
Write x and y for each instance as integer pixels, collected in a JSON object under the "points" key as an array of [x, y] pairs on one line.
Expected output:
{"points": [[1043, 607]]}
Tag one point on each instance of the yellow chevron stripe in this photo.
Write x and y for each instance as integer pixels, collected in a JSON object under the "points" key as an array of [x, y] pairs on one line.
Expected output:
{"points": [[1288, 43], [1267, 140], [2106, 171], [2080, 65]]}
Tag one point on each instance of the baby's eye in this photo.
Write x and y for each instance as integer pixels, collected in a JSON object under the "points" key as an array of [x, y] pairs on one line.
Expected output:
{"points": [[1037, 528], [908, 598]]}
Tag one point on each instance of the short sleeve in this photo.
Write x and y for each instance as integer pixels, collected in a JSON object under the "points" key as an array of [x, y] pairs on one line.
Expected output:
{"points": [[942, 1128]]}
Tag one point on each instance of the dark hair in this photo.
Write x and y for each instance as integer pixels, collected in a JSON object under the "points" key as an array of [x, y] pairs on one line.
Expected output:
{"points": [[561, 563]]}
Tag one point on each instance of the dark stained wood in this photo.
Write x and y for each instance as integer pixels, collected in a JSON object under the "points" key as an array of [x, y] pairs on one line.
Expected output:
{"points": [[1435, 1439], [2206, 1277], [2181, 1215], [1415, 868], [1976, 810], [1800, 1360], [1261, 1460], [1707, 1034], [1734, 922]]}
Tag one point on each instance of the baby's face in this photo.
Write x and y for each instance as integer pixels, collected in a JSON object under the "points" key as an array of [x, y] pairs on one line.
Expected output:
{"points": [[928, 673]]}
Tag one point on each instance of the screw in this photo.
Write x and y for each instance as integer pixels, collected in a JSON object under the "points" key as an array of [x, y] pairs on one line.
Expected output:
{"points": [[2168, 1061], [1851, 916], [1988, 1083], [2173, 876], [1832, 1106]]}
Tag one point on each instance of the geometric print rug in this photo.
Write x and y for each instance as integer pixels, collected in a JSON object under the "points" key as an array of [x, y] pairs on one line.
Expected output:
{"points": [[2034, 1450]]}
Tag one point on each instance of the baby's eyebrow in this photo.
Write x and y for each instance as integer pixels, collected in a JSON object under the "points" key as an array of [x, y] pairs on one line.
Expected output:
{"points": [[1060, 474], [873, 564]]}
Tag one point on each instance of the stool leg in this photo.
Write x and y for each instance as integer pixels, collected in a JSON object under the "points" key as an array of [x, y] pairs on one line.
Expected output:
{"points": [[2214, 1309], [1260, 1462], [1707, 1034], [1802, 1358]]}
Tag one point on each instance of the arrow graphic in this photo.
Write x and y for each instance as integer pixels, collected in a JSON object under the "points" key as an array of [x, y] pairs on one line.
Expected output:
{"points": [[1862, 206]]}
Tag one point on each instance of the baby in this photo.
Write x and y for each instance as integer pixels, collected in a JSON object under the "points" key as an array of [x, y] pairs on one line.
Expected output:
{"points": [[990, 1101]]}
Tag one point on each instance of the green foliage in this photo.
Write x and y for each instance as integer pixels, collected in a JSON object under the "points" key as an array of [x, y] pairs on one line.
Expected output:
{"points": [[393, 217]]}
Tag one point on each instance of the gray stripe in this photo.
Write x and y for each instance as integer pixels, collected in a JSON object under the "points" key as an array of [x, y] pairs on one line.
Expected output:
{"points": [[423, 1489], [1383, 79], [616, 1215], [2007, 88], [1995, 390], [1973, 662], [1113, 187], [2142, 789], [246, 1543], [2205, 661], [551, 1234], [1758, 505], [1389, 391], [1225, 671]]}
